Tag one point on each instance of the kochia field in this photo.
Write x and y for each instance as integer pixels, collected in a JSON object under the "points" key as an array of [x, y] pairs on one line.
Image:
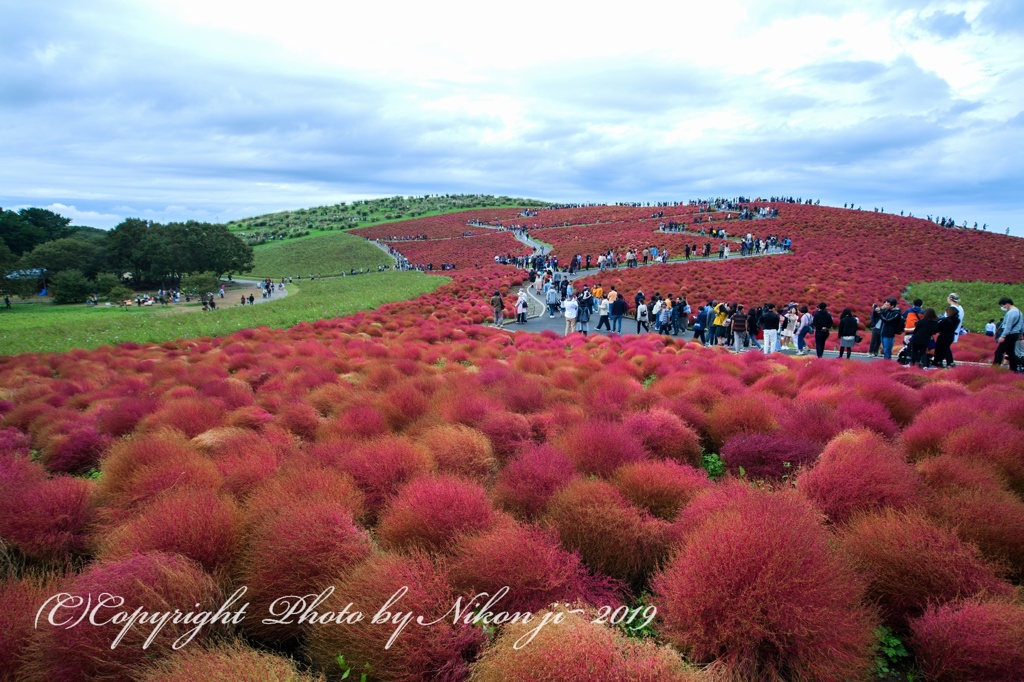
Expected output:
{"points": [[662, 511]]}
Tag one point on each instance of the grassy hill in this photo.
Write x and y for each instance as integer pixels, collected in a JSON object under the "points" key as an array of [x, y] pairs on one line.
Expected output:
{"points": [[321, 254], [286, 225]]}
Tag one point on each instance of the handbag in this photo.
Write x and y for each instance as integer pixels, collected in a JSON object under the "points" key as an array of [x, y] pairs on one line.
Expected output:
{"points": [[858, 338]]}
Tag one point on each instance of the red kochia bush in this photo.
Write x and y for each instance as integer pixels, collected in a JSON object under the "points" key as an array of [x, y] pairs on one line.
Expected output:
{"points": [[420, 653], [137, 470], [301, 550], [749, 413], [430, 513], [191, 416], [49, 519], [576, 650], [304, 483], [229, 662], [972, 640], [19, 602], [380, 466], [528, 481], [767, 455], [597, 446], [991, 519], [662, 487], [613, 536], [530, 562], [665, 435], [858, 471], [199, 524], [151, 582], [756, 590], [909, 563]]}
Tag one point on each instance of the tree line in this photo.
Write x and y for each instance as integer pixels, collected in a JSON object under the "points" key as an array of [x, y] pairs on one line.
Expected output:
{"points": [[40, 248]]}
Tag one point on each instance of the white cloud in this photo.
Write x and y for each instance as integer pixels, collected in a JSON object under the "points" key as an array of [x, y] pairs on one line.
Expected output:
{"points": [[211, 109]]}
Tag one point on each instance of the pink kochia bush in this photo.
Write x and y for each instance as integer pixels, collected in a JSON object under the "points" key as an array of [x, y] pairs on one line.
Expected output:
{"points": [[47, 519], [152, 582], [530, 562], [767, 455], [971, 640], [430, 513], [576, 650], [665, 435], [528, 481], [910, 563], [756, 591], [858, 471], [598, 446], [440, 651]]}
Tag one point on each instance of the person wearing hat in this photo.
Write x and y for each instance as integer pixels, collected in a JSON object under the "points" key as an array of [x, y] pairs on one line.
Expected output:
{"points": [[954, 302]]}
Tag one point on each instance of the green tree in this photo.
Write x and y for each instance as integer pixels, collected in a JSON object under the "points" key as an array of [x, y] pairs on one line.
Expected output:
{"points": [[20, 235], [105, 283], [200, 284], [70, 286], [123, 248], [67, 253]]}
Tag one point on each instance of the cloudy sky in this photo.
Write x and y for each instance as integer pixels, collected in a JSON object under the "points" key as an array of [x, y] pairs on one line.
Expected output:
{"points": [[215, 110]]}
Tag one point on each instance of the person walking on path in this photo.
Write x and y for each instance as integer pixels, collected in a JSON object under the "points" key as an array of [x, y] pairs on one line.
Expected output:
{"points": [[583, 319], [499, 309], [571, 308], [618, 311], [603, 311], [641, 317], [822, 323], [1012, 327], [552, 299], [847, 331]]}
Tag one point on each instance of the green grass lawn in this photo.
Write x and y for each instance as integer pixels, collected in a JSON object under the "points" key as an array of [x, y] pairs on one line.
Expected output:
{"points": [[979, 299], [321, 254], [41, 327]]}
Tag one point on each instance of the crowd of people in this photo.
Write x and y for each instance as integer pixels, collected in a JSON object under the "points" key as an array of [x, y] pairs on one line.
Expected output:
{"points": [[928, 337]]}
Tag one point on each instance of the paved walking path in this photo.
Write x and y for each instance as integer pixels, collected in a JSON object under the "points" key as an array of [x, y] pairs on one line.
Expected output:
{"points": [[254, 287]]}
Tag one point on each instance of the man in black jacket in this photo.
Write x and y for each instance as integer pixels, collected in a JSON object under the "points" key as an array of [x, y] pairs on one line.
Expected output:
{"points": [[892, 324], [822, 324]]}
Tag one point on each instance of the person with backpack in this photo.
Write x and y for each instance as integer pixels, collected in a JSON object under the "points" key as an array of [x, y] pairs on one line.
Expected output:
{"points": [[822, 323], [892, 324], [1011, 329], [583, 320], [910, 317]]}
